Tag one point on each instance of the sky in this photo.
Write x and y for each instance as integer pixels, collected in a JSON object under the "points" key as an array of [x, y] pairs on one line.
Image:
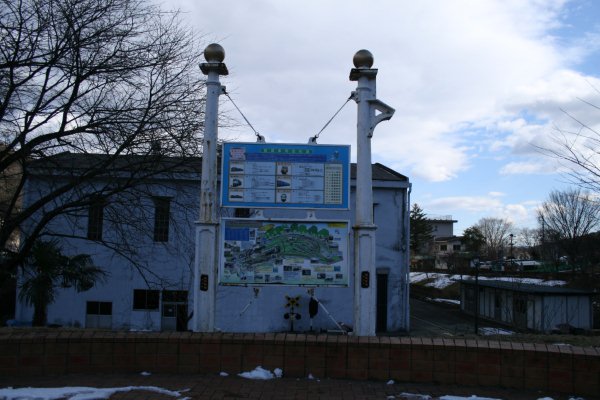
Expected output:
{"points": [[478, 88]]}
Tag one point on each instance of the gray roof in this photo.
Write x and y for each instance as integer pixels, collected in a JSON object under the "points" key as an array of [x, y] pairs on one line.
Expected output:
{"points": [[528, 287], [75, 161]]}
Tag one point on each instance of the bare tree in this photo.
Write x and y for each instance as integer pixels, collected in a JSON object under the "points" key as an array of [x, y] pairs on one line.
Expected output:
{"points": [[570, 214], [575, 144], [530, 240], [115, 80], [495, 231]]}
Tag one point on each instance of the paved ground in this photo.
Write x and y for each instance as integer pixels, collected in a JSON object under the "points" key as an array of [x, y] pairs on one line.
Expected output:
{"points": [[428, 319], [233, 387]]}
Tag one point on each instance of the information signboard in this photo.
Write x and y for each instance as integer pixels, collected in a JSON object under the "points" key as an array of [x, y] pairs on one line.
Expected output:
{"points": [[265, 175], [291, 252]]}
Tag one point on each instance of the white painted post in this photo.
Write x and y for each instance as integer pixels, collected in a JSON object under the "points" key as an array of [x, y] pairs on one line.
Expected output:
{"points": [[365, 288], [205, 265]]}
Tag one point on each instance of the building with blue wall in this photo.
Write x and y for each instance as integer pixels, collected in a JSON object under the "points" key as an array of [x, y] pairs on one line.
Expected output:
{"points": [[143, 237]]}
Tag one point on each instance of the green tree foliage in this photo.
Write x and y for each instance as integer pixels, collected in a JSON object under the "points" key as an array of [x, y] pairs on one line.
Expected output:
{"points": [[420, 230], [473, 240], [48, 270]]}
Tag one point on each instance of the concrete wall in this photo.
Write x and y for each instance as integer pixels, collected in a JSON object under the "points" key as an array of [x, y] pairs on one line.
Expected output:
{"points": [[566, 369]]}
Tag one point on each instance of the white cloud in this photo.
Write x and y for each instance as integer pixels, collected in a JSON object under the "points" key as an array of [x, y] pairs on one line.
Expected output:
{"points": [[442, 66], [521, 214], [527, 167], [467, 203]]}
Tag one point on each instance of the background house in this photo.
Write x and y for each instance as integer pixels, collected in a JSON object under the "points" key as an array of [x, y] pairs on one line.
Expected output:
{"points": [[446, 246], [144, 238]]}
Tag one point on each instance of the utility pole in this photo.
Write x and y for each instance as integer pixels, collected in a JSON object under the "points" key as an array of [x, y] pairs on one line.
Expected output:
{"points": [[365, 296], [205, 265]]}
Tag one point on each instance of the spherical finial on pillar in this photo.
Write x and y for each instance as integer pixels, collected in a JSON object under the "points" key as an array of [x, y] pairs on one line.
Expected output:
{"points": [[214, 53], [363, 59]]}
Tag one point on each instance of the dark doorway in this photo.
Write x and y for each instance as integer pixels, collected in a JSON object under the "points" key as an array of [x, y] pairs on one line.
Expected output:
{"points": [[382, 303], [182, 317]]}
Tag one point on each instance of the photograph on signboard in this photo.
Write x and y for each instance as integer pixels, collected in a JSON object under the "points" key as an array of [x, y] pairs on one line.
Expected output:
{"points": [[284, 252], [279, 175]]}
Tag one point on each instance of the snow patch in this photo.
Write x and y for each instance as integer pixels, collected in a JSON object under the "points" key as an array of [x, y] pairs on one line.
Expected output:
{"points": [[466, 398], [494, 331], [412, 396], [261, 373], [447, 301], [76, 393]]}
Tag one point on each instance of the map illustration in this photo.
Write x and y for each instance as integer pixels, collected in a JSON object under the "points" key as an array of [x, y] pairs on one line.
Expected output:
{"points": [[284, 252]]}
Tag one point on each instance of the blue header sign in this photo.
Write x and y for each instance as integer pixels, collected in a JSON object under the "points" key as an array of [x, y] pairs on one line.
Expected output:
{"points": [[278, 175]]}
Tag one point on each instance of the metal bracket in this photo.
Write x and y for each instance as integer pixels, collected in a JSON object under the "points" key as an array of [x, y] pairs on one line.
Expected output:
{"points": [[385, 113], [223, 89], [311, 215]]}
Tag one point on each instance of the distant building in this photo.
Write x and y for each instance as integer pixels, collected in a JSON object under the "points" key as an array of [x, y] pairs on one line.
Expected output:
{"points": [[530, 307], [445, 244]]}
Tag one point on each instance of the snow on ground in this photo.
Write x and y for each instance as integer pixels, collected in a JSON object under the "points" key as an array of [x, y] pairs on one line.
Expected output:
{"points": [[494, 331], [90, 393], [77, 393], [441, 280], [447, 301], [261, 373]]}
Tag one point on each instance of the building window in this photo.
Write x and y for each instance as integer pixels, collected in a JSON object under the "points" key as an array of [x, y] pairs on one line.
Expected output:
{"points": [[95, 220], [456, 247], [443, 247], [162, 210], [98, 314], [145, 299]]}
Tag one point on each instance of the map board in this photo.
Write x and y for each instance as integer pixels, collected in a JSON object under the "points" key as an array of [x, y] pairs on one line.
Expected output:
{"points": [[265, 175], [284, 252]]}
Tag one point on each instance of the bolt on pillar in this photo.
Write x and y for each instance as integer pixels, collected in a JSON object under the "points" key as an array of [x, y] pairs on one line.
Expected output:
{"points": [[365, 288], [205, 265]]}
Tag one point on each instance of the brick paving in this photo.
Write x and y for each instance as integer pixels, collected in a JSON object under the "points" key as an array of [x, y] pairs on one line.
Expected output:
{"points": [[213, 386]]}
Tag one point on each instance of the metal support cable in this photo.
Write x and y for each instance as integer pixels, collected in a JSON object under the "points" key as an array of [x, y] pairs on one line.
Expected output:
{"points": [[314, 138], [259, 137]]}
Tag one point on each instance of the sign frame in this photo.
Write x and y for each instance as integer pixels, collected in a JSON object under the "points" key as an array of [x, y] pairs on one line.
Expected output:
{"points": [[277, 249], [285, 175]]}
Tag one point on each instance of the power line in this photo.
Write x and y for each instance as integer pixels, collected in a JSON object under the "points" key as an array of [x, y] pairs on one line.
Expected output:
{"points": [[259, 137]]}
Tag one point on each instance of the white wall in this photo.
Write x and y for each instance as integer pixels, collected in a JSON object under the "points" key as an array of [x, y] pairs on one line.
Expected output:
{"points": [[169, 267]]}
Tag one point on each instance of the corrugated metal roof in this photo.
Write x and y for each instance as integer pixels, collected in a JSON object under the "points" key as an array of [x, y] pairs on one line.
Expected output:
{"points": [[527, 287]]}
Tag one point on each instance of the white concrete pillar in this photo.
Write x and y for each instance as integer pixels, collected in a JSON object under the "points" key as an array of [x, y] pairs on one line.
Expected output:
{"points": [[365, 287], [205, 265]]}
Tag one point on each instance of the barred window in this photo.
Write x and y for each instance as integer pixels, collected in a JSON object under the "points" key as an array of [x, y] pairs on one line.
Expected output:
{"points": [[99, 308], [145, 299], [162, 211]]}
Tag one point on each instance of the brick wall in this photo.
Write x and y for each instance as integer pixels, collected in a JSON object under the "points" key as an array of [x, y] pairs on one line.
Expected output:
{"points": [[406, 359]]}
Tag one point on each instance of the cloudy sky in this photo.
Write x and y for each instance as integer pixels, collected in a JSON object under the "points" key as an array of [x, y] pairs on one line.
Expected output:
{"points": [[476, 85]]}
